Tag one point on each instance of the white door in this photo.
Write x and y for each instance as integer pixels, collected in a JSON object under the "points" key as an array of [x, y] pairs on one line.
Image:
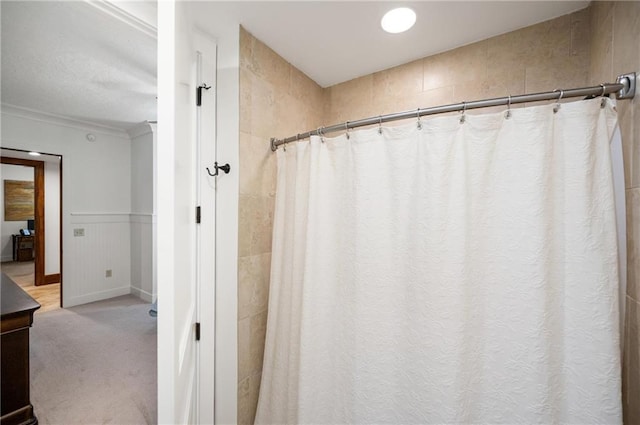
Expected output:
{"points": [[206, 119], [186, 145]]}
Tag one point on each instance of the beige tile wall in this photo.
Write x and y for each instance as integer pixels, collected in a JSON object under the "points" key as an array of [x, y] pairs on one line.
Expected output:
{"points": [[550, 55], [615, 49], [275, 100]]}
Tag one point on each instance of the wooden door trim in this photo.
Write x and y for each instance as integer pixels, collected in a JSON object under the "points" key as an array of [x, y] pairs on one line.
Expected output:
{"points": [[38, 203], [51, 278], [60, 236]]}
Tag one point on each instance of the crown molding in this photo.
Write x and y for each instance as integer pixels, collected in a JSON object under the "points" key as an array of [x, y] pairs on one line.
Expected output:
{"points": [[127, 16], [141, 129], [49, 118]]}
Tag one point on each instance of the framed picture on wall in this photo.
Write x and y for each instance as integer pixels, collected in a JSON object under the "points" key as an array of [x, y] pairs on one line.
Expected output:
{"points": [[18, 200]]}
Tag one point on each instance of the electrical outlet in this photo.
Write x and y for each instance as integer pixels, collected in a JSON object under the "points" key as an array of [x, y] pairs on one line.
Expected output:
{"points": [[107, 273], [78, 232]]}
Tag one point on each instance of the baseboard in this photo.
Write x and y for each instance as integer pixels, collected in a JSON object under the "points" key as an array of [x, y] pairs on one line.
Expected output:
{"points": [[51, 278], [96, 296], [23, 415], [142, 294]]}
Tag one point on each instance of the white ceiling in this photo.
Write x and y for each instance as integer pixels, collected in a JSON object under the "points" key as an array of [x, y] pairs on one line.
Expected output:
{"points": [[333, 42], [96, 62]]}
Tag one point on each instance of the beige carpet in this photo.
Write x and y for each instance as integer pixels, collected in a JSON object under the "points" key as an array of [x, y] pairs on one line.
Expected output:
{"points": [[95, 364]]}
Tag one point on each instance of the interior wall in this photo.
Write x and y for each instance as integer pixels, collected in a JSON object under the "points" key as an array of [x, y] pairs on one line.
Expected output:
{"points": [[143, 282], [276, 99], [12, 172], [96, 199], [52, 218], [615, 50]]}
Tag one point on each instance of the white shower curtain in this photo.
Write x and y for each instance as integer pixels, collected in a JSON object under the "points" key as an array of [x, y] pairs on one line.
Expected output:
{"points": [[458, 273]]}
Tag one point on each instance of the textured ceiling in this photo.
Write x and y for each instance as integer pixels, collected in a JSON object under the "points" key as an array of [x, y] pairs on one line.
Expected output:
{"points": [[96, 62], [75, 60]]}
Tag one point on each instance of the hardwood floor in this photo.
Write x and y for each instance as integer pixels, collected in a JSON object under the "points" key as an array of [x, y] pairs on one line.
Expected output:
{"points": [[48, 296]]}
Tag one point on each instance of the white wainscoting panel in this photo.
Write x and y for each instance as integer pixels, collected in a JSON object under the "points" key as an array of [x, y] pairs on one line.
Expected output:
{"points": [[143, 283], [104, 245]]}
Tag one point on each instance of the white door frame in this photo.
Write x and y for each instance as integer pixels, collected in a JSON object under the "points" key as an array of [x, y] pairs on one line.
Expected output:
{"points": [[206, 112], [165, 214], [226, 213], [177, 164]]}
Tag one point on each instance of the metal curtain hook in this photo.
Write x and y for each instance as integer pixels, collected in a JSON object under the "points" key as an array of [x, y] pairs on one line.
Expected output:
{"points": [[557, 107], [419, 122], [507, 114], [380, 124], [604, 88], [346, 129], [464, 110]]}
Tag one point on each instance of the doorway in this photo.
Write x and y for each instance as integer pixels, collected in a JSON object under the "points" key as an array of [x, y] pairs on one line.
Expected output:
{"points": [[34, 233]]}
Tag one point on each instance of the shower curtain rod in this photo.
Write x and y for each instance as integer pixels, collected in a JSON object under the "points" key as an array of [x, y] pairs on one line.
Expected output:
{"points": [[624, 88]]}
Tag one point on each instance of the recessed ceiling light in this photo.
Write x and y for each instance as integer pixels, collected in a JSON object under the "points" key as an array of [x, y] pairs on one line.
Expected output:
{"points": [[398, 20], [34, 153]]}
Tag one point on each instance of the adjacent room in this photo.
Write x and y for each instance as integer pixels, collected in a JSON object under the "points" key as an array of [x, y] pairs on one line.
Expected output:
{"points": [[32, 258], [78, 140]]}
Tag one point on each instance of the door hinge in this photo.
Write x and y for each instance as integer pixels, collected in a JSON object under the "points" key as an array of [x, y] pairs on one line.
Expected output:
{"points": [[198, 214], [197, 331], [199, 93]]}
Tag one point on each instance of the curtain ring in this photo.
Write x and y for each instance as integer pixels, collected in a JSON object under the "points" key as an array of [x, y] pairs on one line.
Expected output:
{"points": [[380, 124], [507, 114], [320, 132], [464, 110], [346, 129], [419, 121], [603, 102]]}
